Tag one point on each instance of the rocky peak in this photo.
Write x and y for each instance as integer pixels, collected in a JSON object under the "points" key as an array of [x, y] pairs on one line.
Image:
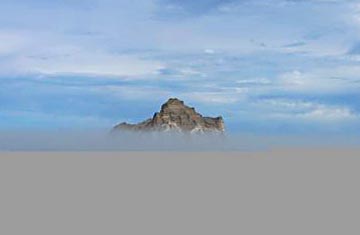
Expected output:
{"points": [[174, 115]]}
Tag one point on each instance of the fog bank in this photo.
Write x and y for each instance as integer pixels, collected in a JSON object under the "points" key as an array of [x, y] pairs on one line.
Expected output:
{"points": [[103, 140]]}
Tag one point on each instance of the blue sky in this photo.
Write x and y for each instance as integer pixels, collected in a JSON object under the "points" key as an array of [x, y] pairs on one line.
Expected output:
{"points": [[279, 66]]}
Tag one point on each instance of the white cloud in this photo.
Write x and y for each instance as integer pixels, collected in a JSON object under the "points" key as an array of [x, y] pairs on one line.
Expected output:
{"points": [[88, 63], [307, 111], [322, 80], [213, 97], [134, 92], [12, 41], [209, 51], [47, 54], [257, 81], [294, 78], [329, 113]]}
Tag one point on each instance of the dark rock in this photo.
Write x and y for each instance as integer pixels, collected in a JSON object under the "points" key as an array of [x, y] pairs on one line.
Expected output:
{"points": [[176, 116]]}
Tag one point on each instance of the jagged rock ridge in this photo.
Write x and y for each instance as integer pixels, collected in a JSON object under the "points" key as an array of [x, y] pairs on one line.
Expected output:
{"points": [[176, 116]]}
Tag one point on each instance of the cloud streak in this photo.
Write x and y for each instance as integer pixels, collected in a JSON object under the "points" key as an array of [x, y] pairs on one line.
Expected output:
{"points": [[117, 60]]}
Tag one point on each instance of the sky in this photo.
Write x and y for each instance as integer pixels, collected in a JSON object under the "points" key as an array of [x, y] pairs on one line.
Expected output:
{"points": [[266, 66]]}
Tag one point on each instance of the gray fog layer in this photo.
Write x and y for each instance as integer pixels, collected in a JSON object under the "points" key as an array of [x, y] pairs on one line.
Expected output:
{"points": [[283, 192]]}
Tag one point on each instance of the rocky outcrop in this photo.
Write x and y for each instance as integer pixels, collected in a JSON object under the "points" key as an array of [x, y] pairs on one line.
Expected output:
{"points": [[176, 116]]}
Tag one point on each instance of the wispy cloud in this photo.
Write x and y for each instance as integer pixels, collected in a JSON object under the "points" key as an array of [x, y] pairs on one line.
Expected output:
{"points": [[229, 57], [88, 63], [308, 111], [25, 53], [339, 79]]}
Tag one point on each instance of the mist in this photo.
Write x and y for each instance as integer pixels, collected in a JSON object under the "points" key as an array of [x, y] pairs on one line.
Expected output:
{"points": [[104, 140]]}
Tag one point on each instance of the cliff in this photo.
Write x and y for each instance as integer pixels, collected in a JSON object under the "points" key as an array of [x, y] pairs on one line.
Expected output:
{"points": [[176, 116]]}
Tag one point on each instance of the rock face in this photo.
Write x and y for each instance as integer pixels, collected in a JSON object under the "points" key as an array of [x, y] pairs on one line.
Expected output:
{"points": [[176, 116]]}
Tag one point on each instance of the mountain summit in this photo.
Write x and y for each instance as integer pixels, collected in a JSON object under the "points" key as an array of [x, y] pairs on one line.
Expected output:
{"points": [[176, 116]]}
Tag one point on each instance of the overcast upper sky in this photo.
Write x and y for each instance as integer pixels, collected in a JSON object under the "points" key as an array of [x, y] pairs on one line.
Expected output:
{"points": [[283, 66]]}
